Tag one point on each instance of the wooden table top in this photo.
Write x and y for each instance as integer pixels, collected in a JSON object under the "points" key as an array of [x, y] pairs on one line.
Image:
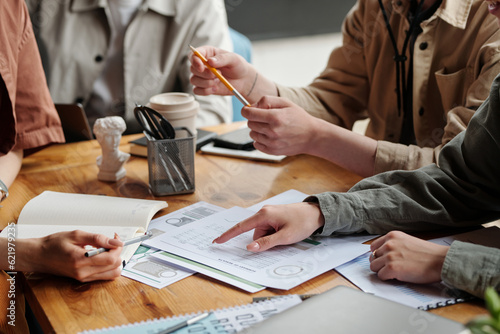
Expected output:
{"points": [[64, 305]]}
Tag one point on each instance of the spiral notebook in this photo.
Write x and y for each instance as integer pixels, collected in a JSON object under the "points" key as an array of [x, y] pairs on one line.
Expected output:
{"points": [[421, 296], [228, 320]]}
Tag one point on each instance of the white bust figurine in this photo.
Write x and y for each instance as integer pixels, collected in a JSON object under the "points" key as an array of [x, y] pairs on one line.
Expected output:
{"points": [[108, 131]]}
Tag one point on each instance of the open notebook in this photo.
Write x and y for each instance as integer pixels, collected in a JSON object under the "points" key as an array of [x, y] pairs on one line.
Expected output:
{"points": [[52, 212]]}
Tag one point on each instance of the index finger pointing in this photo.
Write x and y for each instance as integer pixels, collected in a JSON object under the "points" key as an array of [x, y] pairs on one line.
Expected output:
{"points": [[242, 227]]}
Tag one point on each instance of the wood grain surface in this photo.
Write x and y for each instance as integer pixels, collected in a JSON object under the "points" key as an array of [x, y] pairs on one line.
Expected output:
{"points": [[63, 305]]}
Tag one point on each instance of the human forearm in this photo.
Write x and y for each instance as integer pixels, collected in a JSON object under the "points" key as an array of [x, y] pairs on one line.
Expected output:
{"points": [[420, 200], [18, 254], [10, 164], [25, 255], [345, 148], [258, 86]]}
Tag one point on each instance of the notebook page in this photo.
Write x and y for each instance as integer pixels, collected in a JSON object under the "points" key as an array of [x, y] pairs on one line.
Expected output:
{"points": [[54, 208], [38, 231]]}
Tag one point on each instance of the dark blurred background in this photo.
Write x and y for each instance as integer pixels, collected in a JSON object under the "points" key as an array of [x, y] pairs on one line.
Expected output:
{"points": [[268, 19]]}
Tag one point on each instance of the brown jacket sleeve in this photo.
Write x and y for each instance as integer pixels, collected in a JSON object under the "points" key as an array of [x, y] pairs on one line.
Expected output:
{"points": [[36, 121]]}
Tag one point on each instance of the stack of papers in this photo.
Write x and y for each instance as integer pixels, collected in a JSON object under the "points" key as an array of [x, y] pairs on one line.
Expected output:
{"points": [[422, 296], [182, 241]]}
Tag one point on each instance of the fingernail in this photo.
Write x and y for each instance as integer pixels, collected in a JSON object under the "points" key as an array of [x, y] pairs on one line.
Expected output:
{"points": [[253, 247], [212, 60], [215, 240], [115, 242]]}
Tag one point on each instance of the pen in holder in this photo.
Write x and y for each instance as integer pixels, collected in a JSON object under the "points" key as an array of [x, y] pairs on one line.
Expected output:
{"points": [[171, 163]]}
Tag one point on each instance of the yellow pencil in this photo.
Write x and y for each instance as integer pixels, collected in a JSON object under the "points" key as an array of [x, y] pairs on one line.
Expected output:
{"points": [[221, 78]]}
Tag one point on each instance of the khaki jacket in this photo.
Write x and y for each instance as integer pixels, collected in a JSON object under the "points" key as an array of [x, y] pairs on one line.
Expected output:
{"points": [[73, 38], [456, 58]]}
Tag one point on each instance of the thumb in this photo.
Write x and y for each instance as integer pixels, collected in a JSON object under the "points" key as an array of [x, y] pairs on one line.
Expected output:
{"points": [[264, 243], [272, 102], [223, 60]]}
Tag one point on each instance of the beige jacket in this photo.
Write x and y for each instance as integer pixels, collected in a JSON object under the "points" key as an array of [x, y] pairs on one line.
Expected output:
{"points": [[456, 58], [73, 38]]}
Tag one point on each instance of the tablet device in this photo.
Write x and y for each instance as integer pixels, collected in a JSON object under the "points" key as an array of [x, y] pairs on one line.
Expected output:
{"points": [[74, 122], [346, 310], [241, 154], [204, 137], [236, 140]]}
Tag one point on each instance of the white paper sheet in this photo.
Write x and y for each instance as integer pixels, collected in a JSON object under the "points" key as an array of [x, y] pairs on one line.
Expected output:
{"points": [[208, 271], [287, 197], [422, 296], [146, 269], [282, 267]]}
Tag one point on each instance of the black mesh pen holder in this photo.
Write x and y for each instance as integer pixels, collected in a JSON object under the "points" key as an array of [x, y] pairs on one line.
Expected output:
{"points": [[171, 164]]}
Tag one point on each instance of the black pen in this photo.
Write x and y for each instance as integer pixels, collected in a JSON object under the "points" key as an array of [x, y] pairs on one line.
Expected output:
{"points": [[185, 323], [125, 243]]}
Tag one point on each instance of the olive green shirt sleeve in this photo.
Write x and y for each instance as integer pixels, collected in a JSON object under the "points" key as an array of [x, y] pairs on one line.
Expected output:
{"points": [[463, 191], [472, 268]]}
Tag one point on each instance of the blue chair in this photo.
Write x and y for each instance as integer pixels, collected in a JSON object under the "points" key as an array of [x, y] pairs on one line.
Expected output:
{"points": [[243, 47]]}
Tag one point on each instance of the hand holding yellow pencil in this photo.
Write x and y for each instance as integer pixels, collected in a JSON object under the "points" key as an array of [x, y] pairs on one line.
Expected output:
{"points": [[220, 77]]}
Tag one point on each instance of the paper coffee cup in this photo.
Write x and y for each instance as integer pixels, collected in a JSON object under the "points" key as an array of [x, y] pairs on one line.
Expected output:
{"points": [[180, 109]]}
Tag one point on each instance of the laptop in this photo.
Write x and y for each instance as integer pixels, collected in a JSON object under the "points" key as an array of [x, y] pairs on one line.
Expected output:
{"points": [[74, 122], [347, 310]]}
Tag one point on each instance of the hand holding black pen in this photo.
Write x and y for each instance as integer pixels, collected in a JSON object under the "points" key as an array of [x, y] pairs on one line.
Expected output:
{"points": [[125, 243]]}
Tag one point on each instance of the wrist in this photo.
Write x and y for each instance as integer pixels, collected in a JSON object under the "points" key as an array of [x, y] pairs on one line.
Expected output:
{"points": [[258, 86], [27, 253], [319, 141], [441, 252], [318, 218]]}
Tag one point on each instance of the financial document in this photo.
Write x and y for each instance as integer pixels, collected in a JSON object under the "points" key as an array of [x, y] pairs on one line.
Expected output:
{"points": [[282, 267], [145, 268]]}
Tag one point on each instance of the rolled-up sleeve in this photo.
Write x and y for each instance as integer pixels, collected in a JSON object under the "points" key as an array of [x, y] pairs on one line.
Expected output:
{"points": [[472, 268], [463, 191]]}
